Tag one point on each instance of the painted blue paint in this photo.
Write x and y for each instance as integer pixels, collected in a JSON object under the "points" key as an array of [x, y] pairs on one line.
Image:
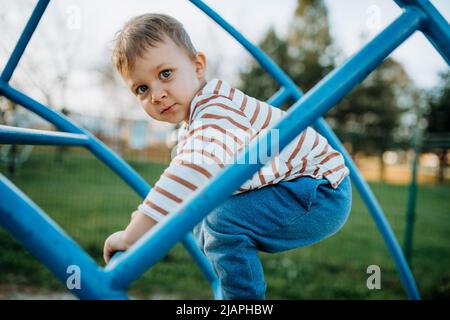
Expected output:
{"points": [[435, 28], [13, 135], [100, 150], [50, 244]]}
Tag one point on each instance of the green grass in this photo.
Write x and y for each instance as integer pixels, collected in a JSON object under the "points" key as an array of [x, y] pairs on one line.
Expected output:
{"points": [[90, 202]]}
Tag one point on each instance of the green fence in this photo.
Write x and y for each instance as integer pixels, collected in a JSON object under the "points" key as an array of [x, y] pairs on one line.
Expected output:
{"points": [[90, 202]]}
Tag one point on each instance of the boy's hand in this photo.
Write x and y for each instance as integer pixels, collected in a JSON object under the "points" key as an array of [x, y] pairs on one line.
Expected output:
{"points": [[113, 243], [122, 240]]}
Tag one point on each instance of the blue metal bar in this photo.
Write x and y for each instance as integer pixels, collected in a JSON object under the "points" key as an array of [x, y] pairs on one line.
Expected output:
{"points": [[435, 28], [50, 244], [213, 280], [114, 162], [321, 125], [209, 274], [205, 266], [265, 61], [303, 102], [279, 97], [97, 147], [381, 222], [156, 242], [24, 39], [13, 135]]}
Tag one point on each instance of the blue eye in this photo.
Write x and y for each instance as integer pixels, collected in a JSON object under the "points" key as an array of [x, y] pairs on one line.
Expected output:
{"points": [[141, 90], [165, 74]]}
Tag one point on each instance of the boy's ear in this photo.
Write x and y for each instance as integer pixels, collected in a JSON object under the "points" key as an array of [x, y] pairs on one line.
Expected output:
{"points": [[200, 64]]}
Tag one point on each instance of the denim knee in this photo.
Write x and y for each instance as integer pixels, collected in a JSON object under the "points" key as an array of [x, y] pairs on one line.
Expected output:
{"points": [[218, 230], [233, 255]]}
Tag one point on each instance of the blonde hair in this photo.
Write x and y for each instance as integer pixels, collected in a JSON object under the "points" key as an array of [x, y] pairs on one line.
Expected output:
{"points": [[144, 31]]}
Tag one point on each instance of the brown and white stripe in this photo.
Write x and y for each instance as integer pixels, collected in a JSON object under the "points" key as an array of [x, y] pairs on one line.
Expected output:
{"points": [[222, 121]]}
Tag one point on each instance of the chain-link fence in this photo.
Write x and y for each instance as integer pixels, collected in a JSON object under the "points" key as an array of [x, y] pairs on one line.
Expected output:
{"points": [[90, 202]]}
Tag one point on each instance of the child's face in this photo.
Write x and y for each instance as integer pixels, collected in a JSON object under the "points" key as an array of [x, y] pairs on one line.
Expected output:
{"points": [[165, 81]]}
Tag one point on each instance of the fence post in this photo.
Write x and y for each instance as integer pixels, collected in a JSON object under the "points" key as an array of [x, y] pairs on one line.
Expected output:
{"points": [[412, 196]]}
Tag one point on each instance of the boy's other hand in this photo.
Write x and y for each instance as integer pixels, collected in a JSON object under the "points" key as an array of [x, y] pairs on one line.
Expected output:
{"points": [[113, 243], [122, 240]]}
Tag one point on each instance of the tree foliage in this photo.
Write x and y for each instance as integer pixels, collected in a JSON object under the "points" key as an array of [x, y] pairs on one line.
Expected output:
{"points": [[369, 118], [306, 54], [438, 127], [438, 116]]}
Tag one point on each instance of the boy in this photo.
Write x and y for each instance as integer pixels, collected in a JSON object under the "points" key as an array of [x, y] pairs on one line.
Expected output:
{"points": [[300, 197]]}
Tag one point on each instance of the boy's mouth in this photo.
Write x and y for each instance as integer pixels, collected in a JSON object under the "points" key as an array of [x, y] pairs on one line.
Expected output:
{"points": [[165, 109]]}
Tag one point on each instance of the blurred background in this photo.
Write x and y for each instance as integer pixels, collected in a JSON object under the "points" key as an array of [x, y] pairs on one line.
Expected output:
{"points": [[399, 116]]}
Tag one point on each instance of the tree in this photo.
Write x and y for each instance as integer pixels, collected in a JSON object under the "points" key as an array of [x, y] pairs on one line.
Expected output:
{"points": [[370, 114], [307, 54], [257, 82], [438, 118], [310, 44], [369, 119]]}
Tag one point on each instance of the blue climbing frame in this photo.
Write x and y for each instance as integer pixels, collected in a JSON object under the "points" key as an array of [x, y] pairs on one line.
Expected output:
{"points": [[49, 243]]}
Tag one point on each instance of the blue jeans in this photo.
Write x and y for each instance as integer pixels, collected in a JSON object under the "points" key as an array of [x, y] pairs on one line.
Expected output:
{"points": [[284, 216]]}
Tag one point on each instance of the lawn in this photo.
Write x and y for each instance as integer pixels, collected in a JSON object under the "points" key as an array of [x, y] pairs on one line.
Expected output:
{"points": [[90, 202]]}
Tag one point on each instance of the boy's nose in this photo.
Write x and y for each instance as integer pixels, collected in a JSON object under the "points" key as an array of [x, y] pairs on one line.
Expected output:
{"points": [[158, 96]]}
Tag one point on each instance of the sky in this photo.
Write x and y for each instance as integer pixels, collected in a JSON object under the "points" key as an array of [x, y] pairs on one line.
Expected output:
{"points": [[81, 32], [353, 18]]}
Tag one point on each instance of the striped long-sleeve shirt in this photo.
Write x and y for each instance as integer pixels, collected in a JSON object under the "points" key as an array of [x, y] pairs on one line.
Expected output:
{"points": [[222, 121]]}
